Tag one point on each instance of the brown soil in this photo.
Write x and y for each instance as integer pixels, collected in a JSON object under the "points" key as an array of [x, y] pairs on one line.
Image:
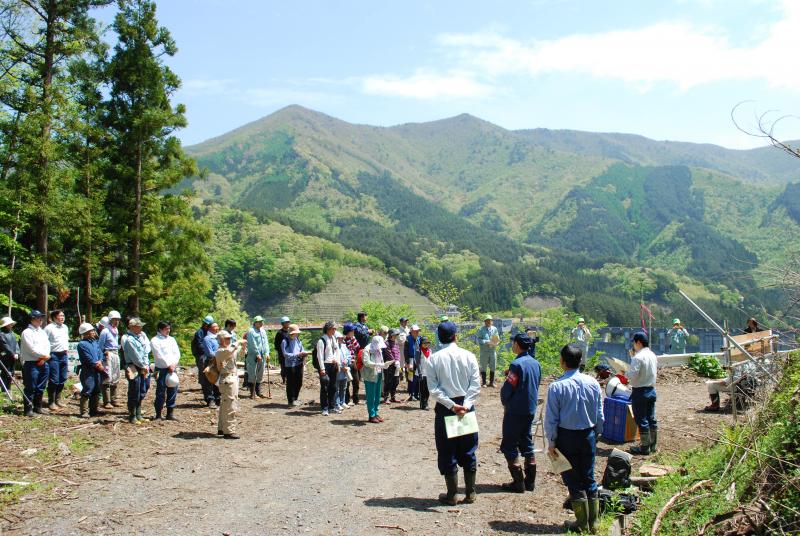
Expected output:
{"points": [[293, 472]]}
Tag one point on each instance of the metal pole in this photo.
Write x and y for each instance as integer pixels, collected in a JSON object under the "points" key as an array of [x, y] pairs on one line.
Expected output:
{"points": [[727, 336], [727, 349]]}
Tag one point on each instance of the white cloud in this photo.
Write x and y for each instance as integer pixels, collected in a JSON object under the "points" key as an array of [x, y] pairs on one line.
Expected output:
{"points": [[424, 84], [672, 52]]}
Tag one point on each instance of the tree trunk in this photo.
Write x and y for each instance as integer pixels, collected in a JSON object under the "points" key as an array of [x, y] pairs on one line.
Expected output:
{"points": [[136, 242], [87, 275], [42, 230]]}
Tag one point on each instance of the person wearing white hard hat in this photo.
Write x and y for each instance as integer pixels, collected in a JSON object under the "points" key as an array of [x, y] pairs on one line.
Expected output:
{"points": [[257, 356], [109, 345], [92, 369], [9, 349], [166, 356], [280, 336], [136, 347], [225, 358]]}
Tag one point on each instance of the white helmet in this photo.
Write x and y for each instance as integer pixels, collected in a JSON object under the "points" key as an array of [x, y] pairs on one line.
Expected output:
{"points": [[114, 314], [172, 380], [85, 328], [617, 389]]}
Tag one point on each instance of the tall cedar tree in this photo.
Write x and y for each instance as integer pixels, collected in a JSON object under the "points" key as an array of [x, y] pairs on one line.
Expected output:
{"points": [[160, 250], [40, 38]]}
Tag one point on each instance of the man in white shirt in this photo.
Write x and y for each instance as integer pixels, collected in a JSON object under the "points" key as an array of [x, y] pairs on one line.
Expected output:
{"points": [[166, 356], [34, 353], [642, 379], [58, 365], [454, 384]]}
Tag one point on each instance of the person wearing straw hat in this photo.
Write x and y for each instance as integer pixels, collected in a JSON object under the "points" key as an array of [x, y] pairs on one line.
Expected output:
{"points": [[581, 337], [136, 347], [225, 358], [92, 370], [34, 353], [9, 349], [280, 336], [487, 336], [257, 358], [677, 336], [295, 356], [201, 361], [109, 345], [166, 356], [58, 333], [520, 395]]}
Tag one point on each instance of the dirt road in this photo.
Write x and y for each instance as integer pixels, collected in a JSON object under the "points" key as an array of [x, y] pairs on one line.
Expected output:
{"points": [[293, 472]]}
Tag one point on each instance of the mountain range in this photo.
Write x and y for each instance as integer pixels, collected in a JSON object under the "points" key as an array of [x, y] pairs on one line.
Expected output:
{"points": [[509, 214]]}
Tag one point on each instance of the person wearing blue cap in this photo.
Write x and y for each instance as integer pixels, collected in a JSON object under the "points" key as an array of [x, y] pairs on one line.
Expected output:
{"points": [[454, 384], [572, 423], [200, 360], [520, 395], [34, 353], [281, 336], [642, 379]]}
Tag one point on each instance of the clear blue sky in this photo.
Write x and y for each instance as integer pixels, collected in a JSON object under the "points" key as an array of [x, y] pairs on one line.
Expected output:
{"points": [[666, 70]]}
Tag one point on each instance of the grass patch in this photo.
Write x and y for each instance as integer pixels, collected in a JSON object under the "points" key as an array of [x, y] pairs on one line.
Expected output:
{"points": [[10, 495], [754, 468]]}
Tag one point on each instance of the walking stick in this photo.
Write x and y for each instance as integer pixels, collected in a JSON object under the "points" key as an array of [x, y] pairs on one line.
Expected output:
{"points": [[13, 381]]}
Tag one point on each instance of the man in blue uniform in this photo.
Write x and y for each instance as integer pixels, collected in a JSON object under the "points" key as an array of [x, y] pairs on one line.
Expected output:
{"points": [[572, 423], [92, 370], [200, 360], [519, 395]]}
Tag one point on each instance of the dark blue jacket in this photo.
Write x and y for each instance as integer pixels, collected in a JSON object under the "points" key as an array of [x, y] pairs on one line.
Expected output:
{"points": [[411, 350], [520, 392], [89, 353]]}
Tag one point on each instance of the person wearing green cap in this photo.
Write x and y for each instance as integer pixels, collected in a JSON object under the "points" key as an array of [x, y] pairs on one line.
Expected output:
{"points": [[257, 356], [677, 336], [581, 336], [487, 337]]}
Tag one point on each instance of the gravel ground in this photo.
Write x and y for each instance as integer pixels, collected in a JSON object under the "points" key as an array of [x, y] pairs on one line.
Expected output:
{"points": [[294, 471]]}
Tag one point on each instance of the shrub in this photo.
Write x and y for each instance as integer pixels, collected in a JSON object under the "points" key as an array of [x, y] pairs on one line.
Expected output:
{"points": [[706, 366]]}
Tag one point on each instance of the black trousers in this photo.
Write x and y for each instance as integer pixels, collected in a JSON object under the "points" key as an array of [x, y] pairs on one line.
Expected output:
{"points": [[390, 382], [5, 378], [355, 385], [424, 394], [294, 380], [327, 387]]}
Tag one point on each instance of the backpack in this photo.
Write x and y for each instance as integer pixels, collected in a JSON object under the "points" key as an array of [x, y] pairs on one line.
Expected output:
{"points": [[314, 360], [360, 359], [618, 470]]}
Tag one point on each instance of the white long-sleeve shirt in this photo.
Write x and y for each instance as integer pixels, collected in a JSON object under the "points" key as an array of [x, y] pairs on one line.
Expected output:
{"points": [[35, 344], [453, 372], [58, 335], [642, 372], [327, 348], [165, 351]]}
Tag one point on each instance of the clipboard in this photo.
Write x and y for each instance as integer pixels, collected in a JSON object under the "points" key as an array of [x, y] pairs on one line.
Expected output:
{"points": [[559, 464], [457, 426]]}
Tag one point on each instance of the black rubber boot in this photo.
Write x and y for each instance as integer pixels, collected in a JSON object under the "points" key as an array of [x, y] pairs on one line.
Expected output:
{"points": [[27, 408], [517, 485], [59, 400], [94, 405], [653, 440], [171, 415], [139, 412], [643, 449], [491, 379], [530, 473], [37, 405], [51, 398], [131, 413], [83, 404], [470, 495], [483, 379], [157, 415], [714, 406], [449, 498]]}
